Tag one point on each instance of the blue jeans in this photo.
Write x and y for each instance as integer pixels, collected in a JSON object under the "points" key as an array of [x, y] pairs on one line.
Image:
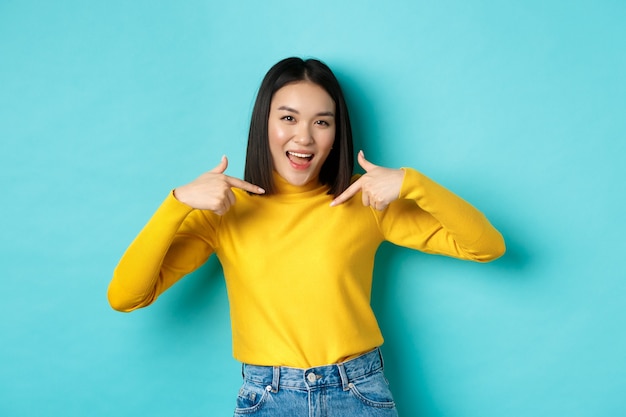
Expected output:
{"points": [[353, 388]]}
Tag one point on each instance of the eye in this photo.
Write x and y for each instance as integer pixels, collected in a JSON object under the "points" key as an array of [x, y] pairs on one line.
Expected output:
{"points": [[287, 118], [322, 123]]}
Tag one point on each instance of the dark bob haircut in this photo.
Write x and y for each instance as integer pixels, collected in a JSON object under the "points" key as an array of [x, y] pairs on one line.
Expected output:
{"points": [[337, 169]]}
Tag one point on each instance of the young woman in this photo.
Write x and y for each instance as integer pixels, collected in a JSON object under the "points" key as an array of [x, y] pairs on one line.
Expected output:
{"points": [[296, 239]]}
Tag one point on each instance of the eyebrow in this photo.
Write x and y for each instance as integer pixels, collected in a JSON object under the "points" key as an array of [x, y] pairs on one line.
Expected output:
{"points": [[292, 110]]}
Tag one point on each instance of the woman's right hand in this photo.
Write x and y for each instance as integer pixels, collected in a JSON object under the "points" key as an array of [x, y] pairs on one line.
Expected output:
{"points": [[212, 190]]}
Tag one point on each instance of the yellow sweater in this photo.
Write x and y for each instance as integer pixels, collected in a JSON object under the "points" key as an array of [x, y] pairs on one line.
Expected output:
{"points": [[298, 272]]}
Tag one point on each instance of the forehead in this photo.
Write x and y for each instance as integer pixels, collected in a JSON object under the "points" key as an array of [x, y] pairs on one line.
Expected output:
{"points": [[303, 95]]}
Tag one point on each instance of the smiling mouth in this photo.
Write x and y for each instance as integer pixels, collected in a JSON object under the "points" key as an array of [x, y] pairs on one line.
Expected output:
{"points": [[299, 158]]}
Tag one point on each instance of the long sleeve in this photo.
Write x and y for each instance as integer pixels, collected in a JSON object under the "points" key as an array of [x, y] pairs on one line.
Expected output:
{"points": [[174, 242], [430, 218]]}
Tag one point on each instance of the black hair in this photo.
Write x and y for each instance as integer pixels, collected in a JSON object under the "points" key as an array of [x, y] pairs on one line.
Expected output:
{"points": [[336, 171]]}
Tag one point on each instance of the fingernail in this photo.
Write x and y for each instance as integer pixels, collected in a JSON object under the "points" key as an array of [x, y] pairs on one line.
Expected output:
{"points": [[333, 203]]}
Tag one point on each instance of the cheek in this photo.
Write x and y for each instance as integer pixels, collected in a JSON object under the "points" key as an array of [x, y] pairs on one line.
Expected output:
{"points": [[277, 135], [327, 140], [277, 139]]}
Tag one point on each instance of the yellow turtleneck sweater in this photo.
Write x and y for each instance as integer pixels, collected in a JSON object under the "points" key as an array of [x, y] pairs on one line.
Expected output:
{"points": [[298, 272]]}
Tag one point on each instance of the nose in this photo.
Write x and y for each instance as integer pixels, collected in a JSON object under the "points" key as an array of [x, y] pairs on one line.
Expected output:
{"points": [[304, 136]]}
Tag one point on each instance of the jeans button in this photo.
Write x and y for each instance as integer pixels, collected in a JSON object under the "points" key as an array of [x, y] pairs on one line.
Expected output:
{"points": [[311, 377]]}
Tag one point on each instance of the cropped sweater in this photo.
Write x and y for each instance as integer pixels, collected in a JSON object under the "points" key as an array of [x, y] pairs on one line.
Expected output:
{"points": [[298, 272]]}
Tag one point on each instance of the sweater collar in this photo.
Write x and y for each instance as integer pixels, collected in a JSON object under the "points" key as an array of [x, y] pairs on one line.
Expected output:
{"points": [[283, 187]]}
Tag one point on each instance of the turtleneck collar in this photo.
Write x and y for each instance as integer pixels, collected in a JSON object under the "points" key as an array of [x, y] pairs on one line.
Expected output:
{"points": [[283, 187]]}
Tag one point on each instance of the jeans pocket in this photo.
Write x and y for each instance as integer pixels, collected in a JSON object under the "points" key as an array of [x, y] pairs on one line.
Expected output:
{"points": [[373, 391], [250, 398]]}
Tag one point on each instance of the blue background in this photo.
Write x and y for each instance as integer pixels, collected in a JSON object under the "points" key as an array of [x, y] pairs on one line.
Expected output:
{"points": [[516, 106]]}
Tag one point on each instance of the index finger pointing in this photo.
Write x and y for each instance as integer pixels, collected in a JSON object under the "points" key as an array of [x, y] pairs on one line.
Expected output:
{"points": [[244, 185], [347, 194]]}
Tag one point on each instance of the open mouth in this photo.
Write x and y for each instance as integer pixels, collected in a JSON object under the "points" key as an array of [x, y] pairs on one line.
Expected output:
{"points": [[298, 158]]}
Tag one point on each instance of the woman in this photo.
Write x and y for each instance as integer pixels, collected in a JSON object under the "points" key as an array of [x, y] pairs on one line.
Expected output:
{"points": [[296, 239]]}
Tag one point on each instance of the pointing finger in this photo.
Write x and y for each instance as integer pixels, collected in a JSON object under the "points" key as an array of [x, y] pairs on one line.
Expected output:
{"points": [[348, 193], [221, 167], [244, 185]]}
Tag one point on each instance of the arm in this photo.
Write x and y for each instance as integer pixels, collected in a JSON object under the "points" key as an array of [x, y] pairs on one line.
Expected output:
{"points": [[169, 247], [416, 212], [430, 218], [176, 240]]}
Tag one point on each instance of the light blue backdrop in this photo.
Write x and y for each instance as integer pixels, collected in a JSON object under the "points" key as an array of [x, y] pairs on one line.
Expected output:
{"points": [[517, 106]]}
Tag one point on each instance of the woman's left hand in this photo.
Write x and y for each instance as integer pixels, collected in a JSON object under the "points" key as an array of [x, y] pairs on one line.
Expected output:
{"points": [[379, 186]]}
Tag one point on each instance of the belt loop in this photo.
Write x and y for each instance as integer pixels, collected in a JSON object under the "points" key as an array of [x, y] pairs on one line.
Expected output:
{"points": [[275, 379], [380, 355], [344, 377]]}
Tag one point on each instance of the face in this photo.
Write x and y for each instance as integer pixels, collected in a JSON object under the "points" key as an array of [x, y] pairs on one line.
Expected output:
{"points": [[301, 130]]}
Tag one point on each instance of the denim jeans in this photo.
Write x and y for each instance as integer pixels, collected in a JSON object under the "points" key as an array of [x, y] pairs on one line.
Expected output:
{"points": [[353, 388]]}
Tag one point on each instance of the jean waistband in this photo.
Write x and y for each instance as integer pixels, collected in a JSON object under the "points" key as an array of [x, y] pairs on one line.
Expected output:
{"points": [[342, 373]]}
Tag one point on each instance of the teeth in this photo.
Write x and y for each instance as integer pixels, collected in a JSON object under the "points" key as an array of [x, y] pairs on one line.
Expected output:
{"points": [[300, 155]]}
